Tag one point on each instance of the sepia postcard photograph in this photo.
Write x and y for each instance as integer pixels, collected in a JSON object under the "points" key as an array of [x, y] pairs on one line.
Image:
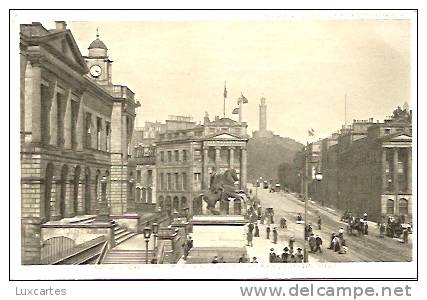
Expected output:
{"points": [[213, 145]]}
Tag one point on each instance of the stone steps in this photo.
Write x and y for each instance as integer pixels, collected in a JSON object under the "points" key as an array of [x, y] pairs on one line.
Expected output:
{"points": [[127, 257]]}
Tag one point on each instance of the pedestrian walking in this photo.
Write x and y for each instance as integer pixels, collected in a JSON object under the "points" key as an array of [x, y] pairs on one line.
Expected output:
{"points": [[291, 243], [382, 230], [256, 230], [186, 250], [254, 260], [285, 255], [190, 243], [365, 216], [299, 257], [221, 260], [405, 235], [275, 235], [318, 244], [215, 260], [312, 242], [249, 237], [272, 256], [319, 222], [251, 227], [268, 232]]}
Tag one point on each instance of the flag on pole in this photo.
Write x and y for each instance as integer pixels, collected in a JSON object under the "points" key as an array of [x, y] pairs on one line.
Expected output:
{"points": [[242, 99], [225, 89], [235, 111], [311, 132]]}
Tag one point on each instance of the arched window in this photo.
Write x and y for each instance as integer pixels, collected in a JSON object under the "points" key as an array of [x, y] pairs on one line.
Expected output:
{"points": [[390, 207], [403, 206]]}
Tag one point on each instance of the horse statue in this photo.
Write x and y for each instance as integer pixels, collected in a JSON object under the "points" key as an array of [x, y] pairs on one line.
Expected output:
{"points": [[220, 189]]}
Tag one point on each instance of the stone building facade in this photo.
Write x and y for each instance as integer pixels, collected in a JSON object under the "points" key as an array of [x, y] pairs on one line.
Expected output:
{"points": [[368, 167], [186, 155], [71, 128]]}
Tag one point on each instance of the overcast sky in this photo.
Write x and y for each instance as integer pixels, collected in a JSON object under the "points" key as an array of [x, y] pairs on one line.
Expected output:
{"points": [[303, 68]]}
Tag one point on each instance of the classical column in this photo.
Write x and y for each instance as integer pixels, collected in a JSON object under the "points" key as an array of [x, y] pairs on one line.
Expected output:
{"points": [[69, 201], [81, 198], [384, 168], [409, 170], [395, 178], [80, 127], [53, 119], [217, 156], [243, 168], [205, 179], [231, 158], [35, 109], [67, 121]]}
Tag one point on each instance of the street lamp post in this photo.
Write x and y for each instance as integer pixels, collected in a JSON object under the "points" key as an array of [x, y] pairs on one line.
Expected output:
{"points": [[155, 227], [147, 235], [318, 177]]}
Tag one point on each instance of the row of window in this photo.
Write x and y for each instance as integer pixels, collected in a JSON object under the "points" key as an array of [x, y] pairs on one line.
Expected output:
{"points": [[174, 156], [102, 129], [173, 181], [149, 178], [403, 207]]}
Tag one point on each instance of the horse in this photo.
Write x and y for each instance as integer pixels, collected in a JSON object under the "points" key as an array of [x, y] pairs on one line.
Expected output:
{"points": [[355, 224], [220, 189]]}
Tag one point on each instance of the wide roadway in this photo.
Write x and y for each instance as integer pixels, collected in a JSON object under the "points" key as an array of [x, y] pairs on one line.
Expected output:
{"points": [[364, 248]]}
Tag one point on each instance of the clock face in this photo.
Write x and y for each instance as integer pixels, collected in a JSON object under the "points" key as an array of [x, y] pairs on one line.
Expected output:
{"points": [[95, 71]]}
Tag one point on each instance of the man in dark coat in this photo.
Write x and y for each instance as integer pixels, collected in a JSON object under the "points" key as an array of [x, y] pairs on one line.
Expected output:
{"points": [[291, 243], [319, 222], [299, 257], [272, 257], [275, 235], [256, 230], [251, 227], [268, 232], [285, 255], [249, 237], [318, 244]]}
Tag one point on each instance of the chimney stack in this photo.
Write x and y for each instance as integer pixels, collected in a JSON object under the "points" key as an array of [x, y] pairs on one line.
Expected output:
{"points": [[61, 25]]}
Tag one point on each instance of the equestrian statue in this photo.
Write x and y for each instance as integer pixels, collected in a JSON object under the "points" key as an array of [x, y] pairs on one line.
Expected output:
{"points": [[220, 189]]}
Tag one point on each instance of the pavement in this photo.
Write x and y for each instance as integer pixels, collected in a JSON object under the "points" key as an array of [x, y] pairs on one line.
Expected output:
{"points": [[363, 248]]}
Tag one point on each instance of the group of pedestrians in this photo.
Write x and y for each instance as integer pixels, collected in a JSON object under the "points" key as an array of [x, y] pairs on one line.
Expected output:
{"points": [[253, 231], [287, 256]]}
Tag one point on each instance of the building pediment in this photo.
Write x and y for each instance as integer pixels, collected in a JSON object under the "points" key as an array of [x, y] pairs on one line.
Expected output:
{"points": [[398, 138], [224, 136], [63, 46]]}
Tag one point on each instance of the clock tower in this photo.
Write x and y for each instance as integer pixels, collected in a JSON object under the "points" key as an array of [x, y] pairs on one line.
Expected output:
{"points": [[100, 66]]}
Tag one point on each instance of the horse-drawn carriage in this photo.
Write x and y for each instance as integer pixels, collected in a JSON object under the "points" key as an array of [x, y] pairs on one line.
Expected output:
{"points": [[395, 228], [356, 225]]}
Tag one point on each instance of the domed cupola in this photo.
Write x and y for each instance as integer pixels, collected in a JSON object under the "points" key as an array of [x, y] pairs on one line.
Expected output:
{"points": [[97, 48]]}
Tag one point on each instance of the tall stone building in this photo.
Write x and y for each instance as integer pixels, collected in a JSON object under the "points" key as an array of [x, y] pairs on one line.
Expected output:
{"points": [[186, 155], [75, 130], [123, 168], [262, 131], [368, 167]]}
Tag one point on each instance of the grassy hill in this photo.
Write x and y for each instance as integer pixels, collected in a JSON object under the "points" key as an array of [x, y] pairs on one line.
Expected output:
{"points": [[267, 153]]}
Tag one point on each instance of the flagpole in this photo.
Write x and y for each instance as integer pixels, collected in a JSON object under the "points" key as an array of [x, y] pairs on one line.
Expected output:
{"points": [[225, 95], [240, 110], [345, 110]]}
